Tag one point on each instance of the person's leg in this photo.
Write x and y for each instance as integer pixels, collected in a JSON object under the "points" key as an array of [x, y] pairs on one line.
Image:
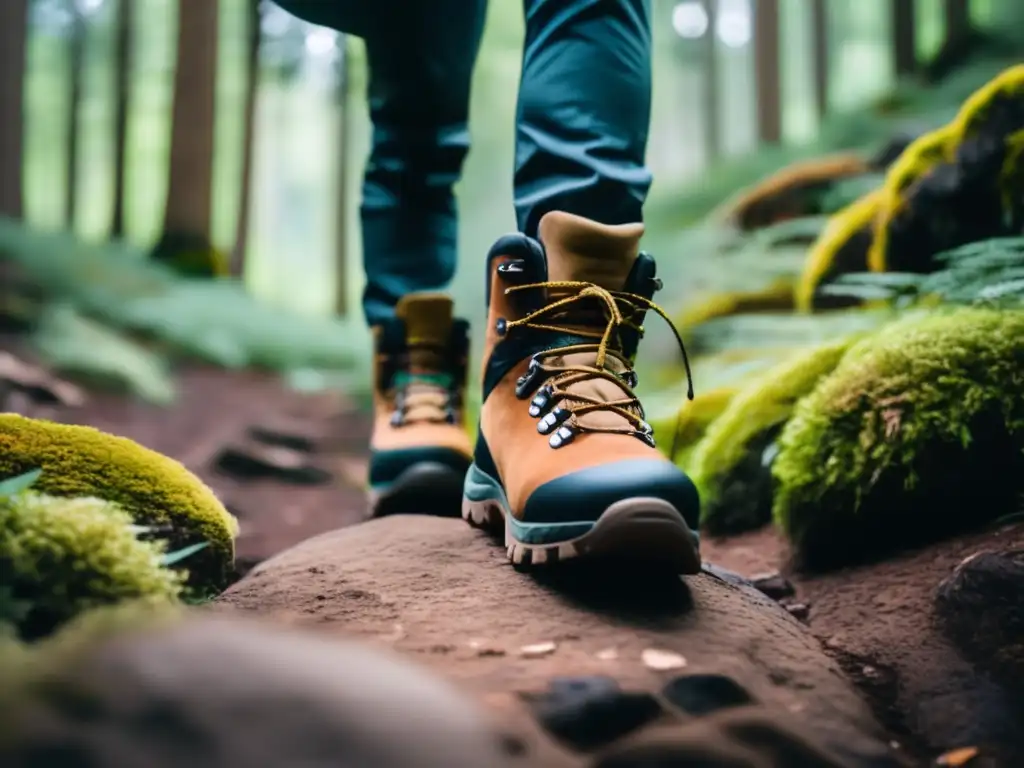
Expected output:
{"points": [[421, 55], [565, 460], [584, 111]]}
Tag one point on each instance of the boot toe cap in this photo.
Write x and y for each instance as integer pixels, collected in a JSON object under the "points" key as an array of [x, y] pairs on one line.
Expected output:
{"points": [[583, 495]]}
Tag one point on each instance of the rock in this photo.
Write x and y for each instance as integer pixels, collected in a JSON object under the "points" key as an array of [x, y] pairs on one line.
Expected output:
{"points": [[216, 692], [745, 737], [445, 582], [773, 584], [254, 461], [981, 606], [37, 384], [699, 695], [589, 712], [799, 611]]}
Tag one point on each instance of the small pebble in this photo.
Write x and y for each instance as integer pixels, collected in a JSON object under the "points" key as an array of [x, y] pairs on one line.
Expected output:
{"points": [[773, 584], [799, 611], [608, 654], [662, 661], [537, 650]]}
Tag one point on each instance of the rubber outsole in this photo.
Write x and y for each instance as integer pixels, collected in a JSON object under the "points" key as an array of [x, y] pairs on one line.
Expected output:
{"points": [[426, 488], [640, 529]]}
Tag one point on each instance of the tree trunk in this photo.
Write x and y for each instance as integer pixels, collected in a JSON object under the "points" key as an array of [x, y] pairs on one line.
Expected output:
{"points": [[712, 109], [248, 139], [122, 88], [187, 217], [766, 64], [76, 76], [341, 217], [904, 37], [13, 35], [821, 55]]}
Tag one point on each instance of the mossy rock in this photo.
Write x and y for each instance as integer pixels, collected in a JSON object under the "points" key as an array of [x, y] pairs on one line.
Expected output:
{"points": [[792, 192], [841, 249], [692, 420], [728, 464], [777, 296], [62, 557], [917, 434], [155, 490]]}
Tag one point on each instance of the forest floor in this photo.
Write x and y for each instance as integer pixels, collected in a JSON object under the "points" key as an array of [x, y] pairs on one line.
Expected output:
{"points": [[291, 466]]}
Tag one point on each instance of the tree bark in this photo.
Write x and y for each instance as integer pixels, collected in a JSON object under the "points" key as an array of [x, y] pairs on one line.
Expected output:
{"points": [[904, 37], [76, 76], [821, 55], [13, 35], [248, 140], [712, 108], [188, 213], [767, 74], [341, 217], [123, 63]]}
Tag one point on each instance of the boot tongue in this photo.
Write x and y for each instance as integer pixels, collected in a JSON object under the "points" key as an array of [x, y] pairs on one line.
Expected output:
{"points": [[580, 250], [428, 328]]}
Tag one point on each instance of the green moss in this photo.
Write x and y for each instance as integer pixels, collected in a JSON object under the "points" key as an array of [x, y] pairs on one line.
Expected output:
{"points": [[727, 463], [155, 490], [62, 557], [918, 433]]}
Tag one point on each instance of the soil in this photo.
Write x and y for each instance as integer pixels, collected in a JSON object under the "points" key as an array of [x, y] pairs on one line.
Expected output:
{"points": [[877, 621]]}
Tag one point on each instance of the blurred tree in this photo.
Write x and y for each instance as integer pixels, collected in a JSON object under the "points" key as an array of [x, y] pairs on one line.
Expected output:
{"points": [[123, 63], [255, 35], [767, 71], [186, 241], [13, 34], [76, 76], [904, 37], [344, 147]]}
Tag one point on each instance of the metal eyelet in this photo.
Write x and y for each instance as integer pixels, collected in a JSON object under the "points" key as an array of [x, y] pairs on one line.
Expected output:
{"points": [[563, 436], [552, 420], [541, 401], [397, 419], [501, 326], [631, 379], [646, 434], [528, 382], [450, 416], [512, 266]]}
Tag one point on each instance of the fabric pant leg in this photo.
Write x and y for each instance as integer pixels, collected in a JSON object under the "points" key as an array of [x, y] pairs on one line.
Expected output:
{"points": [[584, 111]]}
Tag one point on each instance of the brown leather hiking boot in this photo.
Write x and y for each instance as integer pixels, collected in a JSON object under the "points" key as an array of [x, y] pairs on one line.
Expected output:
{"points": [[419, 451], [564, 459]]}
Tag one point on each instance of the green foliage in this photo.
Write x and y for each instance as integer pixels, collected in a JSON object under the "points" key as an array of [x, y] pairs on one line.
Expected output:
{"points": [[989, 272], [214, 320], [76, 346], [919, 432], [62, 557], [154, 490], [727, 464]]}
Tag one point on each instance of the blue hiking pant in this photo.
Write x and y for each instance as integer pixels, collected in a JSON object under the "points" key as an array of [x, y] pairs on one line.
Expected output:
{"points": [[581, 123]]}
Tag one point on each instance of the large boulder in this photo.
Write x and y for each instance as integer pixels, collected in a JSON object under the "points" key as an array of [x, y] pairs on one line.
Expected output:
{"points": [[531, 645]]}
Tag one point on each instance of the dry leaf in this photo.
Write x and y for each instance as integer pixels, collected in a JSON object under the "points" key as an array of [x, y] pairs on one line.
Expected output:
{"points": [[957, 757], [662, 660]]}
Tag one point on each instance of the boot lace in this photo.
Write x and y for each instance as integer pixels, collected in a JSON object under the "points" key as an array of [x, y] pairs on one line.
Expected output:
{"points": [[424, 398], [621, 311]]}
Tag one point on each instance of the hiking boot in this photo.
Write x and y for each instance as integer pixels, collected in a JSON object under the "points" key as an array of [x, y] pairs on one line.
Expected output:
{"points": [[419, 451], [564, 459]]}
